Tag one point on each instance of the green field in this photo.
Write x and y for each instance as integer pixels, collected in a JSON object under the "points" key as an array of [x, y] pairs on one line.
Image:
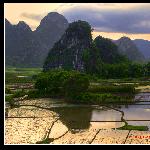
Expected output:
{"points": [[20, 75]]}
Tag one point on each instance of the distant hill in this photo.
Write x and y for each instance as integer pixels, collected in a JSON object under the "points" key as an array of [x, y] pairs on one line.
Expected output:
{"points": [[144, 47], [127, 47], [20, 45], [50, 30], [57, 40], [27, 48]]}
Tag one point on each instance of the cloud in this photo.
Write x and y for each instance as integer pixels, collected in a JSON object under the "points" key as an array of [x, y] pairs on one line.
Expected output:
{"points": [[111, 18], [36, 17]]}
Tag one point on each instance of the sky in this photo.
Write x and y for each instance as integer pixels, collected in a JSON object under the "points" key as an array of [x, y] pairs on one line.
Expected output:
{"points": [[110, 20]]}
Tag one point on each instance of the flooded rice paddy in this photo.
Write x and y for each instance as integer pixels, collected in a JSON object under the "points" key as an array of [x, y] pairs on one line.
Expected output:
{"points": [[66, 123]]}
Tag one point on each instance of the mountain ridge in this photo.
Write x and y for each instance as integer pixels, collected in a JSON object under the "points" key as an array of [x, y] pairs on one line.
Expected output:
{"points": [[31, 47], [27, 48], [127, 47], [144, 47]]}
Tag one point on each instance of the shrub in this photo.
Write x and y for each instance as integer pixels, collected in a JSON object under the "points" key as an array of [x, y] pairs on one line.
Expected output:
{"points": [[8, 98], [19, 94], [36, 94], [8, 91], [62, 83], [53, 79], [15, 95], [44, 94], [34, 77], [76, 84]]}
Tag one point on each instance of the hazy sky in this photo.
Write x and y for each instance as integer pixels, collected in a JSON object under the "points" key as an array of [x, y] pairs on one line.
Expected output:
{"points": [[111, 20]]}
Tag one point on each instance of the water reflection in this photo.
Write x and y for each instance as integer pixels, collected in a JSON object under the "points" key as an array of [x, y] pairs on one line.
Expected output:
{"points": [[142, 97], [105, 115], [75, 117], [136, 112], [82, 117]]}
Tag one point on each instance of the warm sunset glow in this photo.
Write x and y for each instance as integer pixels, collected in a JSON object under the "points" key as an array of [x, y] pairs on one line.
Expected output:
{"points": [[16, 12], [116, 36]]}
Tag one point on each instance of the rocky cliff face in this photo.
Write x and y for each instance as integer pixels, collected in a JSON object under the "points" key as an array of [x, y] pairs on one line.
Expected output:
{"points": [[27, 48], [67, 52], [127, 47]]}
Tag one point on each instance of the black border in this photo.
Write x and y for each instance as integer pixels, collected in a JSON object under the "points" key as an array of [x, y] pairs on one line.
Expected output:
{"points": [[76, 1], [2, 67]]}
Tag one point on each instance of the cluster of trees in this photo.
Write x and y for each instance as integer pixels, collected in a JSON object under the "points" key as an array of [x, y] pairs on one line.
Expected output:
{"points": [[75, 86], [61, 82], [123, 70], [103, 60], [101, 57]]}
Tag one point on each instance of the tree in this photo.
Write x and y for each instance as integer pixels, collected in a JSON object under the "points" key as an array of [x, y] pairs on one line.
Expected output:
{"points": [[108, 51], [147, 69], [135, 70], [76, 84], [92, 60]]}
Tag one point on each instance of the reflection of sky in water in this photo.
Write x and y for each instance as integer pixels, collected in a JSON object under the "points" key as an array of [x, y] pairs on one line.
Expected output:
{"points": [[102, 115], [146, 103], [136, 112], [83, 115], [142, 97], [148, 109], [106, 125]]}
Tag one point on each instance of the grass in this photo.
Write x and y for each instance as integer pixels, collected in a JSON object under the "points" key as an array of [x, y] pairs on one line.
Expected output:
{"points": [[10, 100], [112, 89], [37, 94], [11, 75], [94, 98], [131, 127], [125, 80], [19, 94], [134, 81]]}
